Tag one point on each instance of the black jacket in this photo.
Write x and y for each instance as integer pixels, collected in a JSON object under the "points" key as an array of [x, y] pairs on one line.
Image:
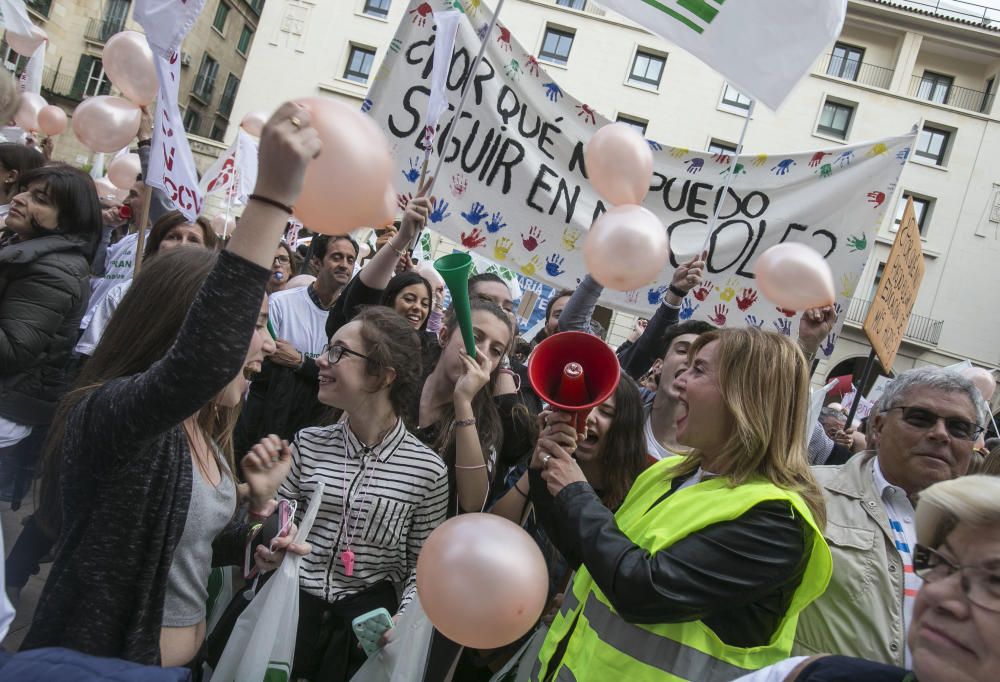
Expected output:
{"points": [[44, 289]]}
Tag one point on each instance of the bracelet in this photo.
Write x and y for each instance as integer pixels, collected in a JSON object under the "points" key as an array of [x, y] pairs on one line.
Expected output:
{"points": [[524, 495], [465, 422], [273, 202], [144, 143], [676, 291], [398, 252], [478, 466], [513, 374], [302, 360]]}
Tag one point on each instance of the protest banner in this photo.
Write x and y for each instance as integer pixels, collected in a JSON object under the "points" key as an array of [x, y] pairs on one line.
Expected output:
{"points": [[514, 187]]}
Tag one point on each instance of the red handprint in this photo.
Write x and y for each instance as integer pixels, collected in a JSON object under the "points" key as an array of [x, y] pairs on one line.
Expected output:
{"points": [[474, 239], [785, 311], [876, 198], [532, 241], [403, 199], [459, 184], [746, 299], [587, 113], [719, 318], [421, 13], [722, 157], [531, 65], [817, 159], [701, 293], [504, 38]]}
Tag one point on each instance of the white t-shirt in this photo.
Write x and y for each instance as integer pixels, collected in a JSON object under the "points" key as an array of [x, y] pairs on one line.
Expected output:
{"points": [[120, 264], [295, 318], [100, 318], [12, 433], [653, 446]]}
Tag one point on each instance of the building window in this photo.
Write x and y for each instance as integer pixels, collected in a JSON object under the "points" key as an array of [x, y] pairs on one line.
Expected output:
{"points": [[228, 95], [204, 84], [935, 87], [845, 62], [921, 209], [835, 119], [556, 45], [192, 121], [221, 13], [637, 123], [878, 280], [932, 144], [359, 64], [573, 4], [218, 129], [377, 8], [12, 61], [647, 68], [40, 6], [90, 79], [734, 98], [987, 102], [257, 6], [243, 46], [719, 147]]}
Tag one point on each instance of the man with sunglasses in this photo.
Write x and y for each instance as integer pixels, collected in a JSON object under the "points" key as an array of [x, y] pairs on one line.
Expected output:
{"points": [[924, 426]]}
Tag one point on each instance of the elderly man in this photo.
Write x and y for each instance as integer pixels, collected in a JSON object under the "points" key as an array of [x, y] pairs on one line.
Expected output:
{"points": [[926, 423]]}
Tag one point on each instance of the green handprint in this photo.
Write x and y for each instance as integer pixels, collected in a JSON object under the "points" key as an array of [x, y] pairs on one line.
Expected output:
{"points": [[826, 170], [513, 70], [858, 243], [847, 284], [501, 248], [531, 266], [738, 169]]}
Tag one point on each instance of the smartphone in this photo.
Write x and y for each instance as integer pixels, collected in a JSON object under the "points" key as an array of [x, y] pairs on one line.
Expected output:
{"points": [[369, 628]]}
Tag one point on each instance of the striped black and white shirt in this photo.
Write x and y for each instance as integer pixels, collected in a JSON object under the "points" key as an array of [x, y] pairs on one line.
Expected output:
{"points": [[397, 494]]}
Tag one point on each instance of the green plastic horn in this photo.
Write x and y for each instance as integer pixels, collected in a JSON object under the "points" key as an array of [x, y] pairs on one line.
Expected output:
{"points": [[455, 269]]}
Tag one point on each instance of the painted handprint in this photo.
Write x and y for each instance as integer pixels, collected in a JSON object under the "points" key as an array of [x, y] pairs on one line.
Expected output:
{"points": [[877, 149], [678, 152], [857, 243], [847, 284], [501, 248], [420, 14], [845, 158], [459, 185], [395, 45], [504, 38], [817, 159], [483, 30], [752, 321], [552, 91], [587, 113], [654, 296], [701, 293], [513, 70], [531, 266], [746, 299], [440, 211], [472, 7], [722, 157], [654, 146], [474, 239], [366, 105], [728, 293], [783, 166], [827, 346], [531, 65], [837, 309], [876, 198], [785, 311], [412, 174], [696, 164], [784, 326], [719, 318], [738, 169], [533, 239], [759, 160], [570, 237], [553, 265], [632, 296], [687, 310], [475, 214], [496, 223], [825, 171], [902, 155]]}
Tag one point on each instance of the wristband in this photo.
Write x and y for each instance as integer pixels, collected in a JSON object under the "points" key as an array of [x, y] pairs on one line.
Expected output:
{"points": [[676, 291], [273, 202], [144, 143], [465, 422], [302, 360]]}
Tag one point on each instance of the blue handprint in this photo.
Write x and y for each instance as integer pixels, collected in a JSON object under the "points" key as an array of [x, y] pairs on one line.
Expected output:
{"points": [[496, 223], [696, 165], [553, 265], [654, 296], [752, 321], [845, 158], [827, 347], [476, 213], [413, 174], [366, 106], [654, 145], [902, 155], [784, 326], [837, 309], [552, 91], [483, 30], [687, 310], [440, 211], [783, 166]]}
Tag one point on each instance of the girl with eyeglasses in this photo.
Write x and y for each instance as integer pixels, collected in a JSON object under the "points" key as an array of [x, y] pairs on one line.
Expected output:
{"points": [[384, 490]]}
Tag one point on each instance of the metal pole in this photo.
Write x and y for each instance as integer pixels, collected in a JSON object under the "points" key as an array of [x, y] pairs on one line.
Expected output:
{"points": [[861, 386], [729, 178]]}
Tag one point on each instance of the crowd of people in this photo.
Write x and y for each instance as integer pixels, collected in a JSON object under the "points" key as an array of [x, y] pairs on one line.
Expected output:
{"points": [[696, 526]]}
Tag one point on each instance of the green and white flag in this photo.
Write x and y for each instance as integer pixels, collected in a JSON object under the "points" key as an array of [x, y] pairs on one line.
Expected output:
{"points": [[762, 47]]}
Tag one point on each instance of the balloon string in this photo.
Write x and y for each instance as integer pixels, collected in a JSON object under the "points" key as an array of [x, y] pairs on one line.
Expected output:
{"points": [[729, 178]]}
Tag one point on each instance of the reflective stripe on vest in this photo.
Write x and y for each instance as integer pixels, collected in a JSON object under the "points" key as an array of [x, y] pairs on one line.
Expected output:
{"points": [[655, 651]]}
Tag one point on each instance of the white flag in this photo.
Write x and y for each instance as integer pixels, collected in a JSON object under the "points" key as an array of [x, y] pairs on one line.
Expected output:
{"points": [[31, 78], [762, 47], [15, 17], [444, 44], [234, 173], [166, 22]]}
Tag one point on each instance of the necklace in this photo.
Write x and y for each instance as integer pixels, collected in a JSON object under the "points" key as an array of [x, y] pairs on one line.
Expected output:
{"points": [[347, 555]]}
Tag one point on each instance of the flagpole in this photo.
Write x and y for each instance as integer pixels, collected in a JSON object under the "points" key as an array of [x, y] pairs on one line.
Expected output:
{"points": [[140, 243], [729, 178]]}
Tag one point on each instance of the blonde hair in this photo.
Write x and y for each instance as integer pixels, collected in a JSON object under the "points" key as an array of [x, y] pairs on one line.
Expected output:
{"points": [[764, 381], [968, 500]]}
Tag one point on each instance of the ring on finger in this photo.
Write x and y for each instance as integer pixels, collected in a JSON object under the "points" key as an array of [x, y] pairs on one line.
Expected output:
{"points": [[296, 121], [545, 460]]}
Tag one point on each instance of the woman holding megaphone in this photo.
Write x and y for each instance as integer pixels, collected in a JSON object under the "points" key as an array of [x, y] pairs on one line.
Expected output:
{"points": [[701, 573]]}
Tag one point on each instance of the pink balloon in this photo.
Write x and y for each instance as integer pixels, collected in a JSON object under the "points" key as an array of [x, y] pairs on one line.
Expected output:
{"points": [[128, 61], [482, 580], [346, 187], [123, 171], [795, 277], [52, 120], [626, 248], [254, 122], [26, 45], [26, 116], [619, 164], [983, 379], [106, 123], [105, 190]]}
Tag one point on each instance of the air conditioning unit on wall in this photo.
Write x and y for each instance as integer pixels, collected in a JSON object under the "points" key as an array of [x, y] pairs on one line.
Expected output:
{"points": [[185, 59]]}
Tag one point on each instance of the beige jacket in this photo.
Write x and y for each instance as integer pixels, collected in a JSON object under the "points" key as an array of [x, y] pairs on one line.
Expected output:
{"points": [[861, 613]]}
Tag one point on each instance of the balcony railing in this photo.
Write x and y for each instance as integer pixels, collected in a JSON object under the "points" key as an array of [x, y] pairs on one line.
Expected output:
{"points": [[956, 9], [867, 74], [99, 30], [920, 328], [963, 98], [60, 84]]}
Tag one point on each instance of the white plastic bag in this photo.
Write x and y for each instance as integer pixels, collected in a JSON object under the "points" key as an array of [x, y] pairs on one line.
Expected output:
{"points": [[263, 641], [404, 658]]}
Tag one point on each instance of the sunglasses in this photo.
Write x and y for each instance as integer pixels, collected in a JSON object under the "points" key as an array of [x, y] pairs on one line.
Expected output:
{"points": [[920, 418]]}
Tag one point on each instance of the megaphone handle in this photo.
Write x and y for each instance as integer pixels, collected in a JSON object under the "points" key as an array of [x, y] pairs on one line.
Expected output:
{"points": [[581, 421]]}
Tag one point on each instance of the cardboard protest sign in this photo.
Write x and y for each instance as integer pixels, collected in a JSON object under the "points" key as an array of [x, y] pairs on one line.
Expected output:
{"points": [[513, 187]]}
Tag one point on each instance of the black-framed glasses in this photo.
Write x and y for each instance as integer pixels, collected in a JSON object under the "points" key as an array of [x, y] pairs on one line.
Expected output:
{"points": [[335, 351], [981, 585], [282, 260], [925, 419]]}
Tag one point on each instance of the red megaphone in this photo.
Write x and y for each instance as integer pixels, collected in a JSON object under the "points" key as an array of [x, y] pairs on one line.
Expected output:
{"points": [[574, 372], [125, 211]]}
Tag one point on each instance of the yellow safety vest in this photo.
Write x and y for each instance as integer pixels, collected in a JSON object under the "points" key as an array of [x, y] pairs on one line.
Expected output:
{"points": [[604, 647]]}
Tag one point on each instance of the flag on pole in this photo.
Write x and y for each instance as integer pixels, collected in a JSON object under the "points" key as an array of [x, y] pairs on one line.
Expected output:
{"points": [[31, 78], [446, 27], [15, 17], [762, 47], [166, 22], [234, 173]]}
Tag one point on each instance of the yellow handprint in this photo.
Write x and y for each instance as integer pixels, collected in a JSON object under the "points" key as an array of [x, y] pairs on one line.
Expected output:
{"points": [[877, 149], [502, 248], [678, 152], [847, 284], [570, 237], [530, 267], [471, 7], [760, 160]]}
